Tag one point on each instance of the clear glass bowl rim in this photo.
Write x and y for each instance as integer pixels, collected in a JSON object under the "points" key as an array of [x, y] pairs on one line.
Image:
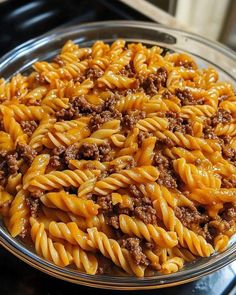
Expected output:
{"points": [[104, 281]]}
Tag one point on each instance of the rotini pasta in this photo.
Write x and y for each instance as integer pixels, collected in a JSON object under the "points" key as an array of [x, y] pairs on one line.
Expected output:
{"points": [[71, 203], [132, 226]]}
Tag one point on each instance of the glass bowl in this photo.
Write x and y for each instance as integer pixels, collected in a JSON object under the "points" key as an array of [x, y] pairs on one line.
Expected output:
{"points": [[206, 53]]}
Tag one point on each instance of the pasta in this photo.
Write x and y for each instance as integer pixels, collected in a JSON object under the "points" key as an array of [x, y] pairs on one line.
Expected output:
{"points": [[111, 249], [69, 232], [123, 151], [150, 232], [71, 203]]}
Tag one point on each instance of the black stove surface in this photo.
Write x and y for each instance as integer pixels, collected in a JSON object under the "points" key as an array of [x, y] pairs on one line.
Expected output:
{"points": [[18, 278], [21, 20]]}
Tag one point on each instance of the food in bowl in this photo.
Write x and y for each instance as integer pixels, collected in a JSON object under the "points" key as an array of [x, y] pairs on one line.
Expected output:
{"points": [[119, 156]]}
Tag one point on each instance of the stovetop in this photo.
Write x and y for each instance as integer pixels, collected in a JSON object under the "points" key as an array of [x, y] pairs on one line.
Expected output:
{"points": [[21, 20], [18, 278]]}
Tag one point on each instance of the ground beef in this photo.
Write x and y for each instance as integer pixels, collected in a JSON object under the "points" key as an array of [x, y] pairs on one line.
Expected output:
{"points": [[164, 143], [228, 213], [105, 203], [109, 104], [81, 105], [139, 200], [57, 151], [26, 152], [12, 163], [146, 213], [56, 163], [114, 221], [176, 123], [167, 176], [228, 183], [105, 152], [135, 191], [66, 114], [28, 126], [130, 164], [8, 163], [135, 250], [191, 216], [128, 70], [98, 119], [229, 154], [167, 94], [222, 116], [186, 97], [161, 161], [154, 82], [215, 227], [167, 179], [33, 205], [127, 211], [143, 135], [71, 153], [209, 133], [225, 139], [93, 73], [57, 160], [129, 120], [89, 151], [77, 107], [208, 231]]}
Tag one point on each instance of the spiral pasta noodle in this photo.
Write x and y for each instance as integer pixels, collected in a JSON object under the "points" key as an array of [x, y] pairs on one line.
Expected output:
{"points": [[58, 179], [45, 247], [150, 232], [71, 203], [196, 244], [124, 178], [18, 214], [111, 249], [69, 232]]}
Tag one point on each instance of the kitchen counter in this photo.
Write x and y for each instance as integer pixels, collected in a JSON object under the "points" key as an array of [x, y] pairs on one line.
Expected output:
{"points": [[18, 278]]}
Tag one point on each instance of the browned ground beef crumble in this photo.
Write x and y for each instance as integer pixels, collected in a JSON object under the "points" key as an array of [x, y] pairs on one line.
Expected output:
{"points": [[29, 126], [186, 98], [133, 246]]}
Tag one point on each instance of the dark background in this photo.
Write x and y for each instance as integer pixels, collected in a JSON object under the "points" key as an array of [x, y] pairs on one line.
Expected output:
{"points": [[18, 278], [21, 20]]}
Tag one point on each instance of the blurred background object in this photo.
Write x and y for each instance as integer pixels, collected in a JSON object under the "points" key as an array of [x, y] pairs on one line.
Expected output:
{"points": [[21, 20], [205, 16]]}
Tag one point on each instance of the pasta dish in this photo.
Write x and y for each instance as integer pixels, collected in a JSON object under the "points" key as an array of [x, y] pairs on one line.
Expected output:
{"points": [[119, 159]]}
